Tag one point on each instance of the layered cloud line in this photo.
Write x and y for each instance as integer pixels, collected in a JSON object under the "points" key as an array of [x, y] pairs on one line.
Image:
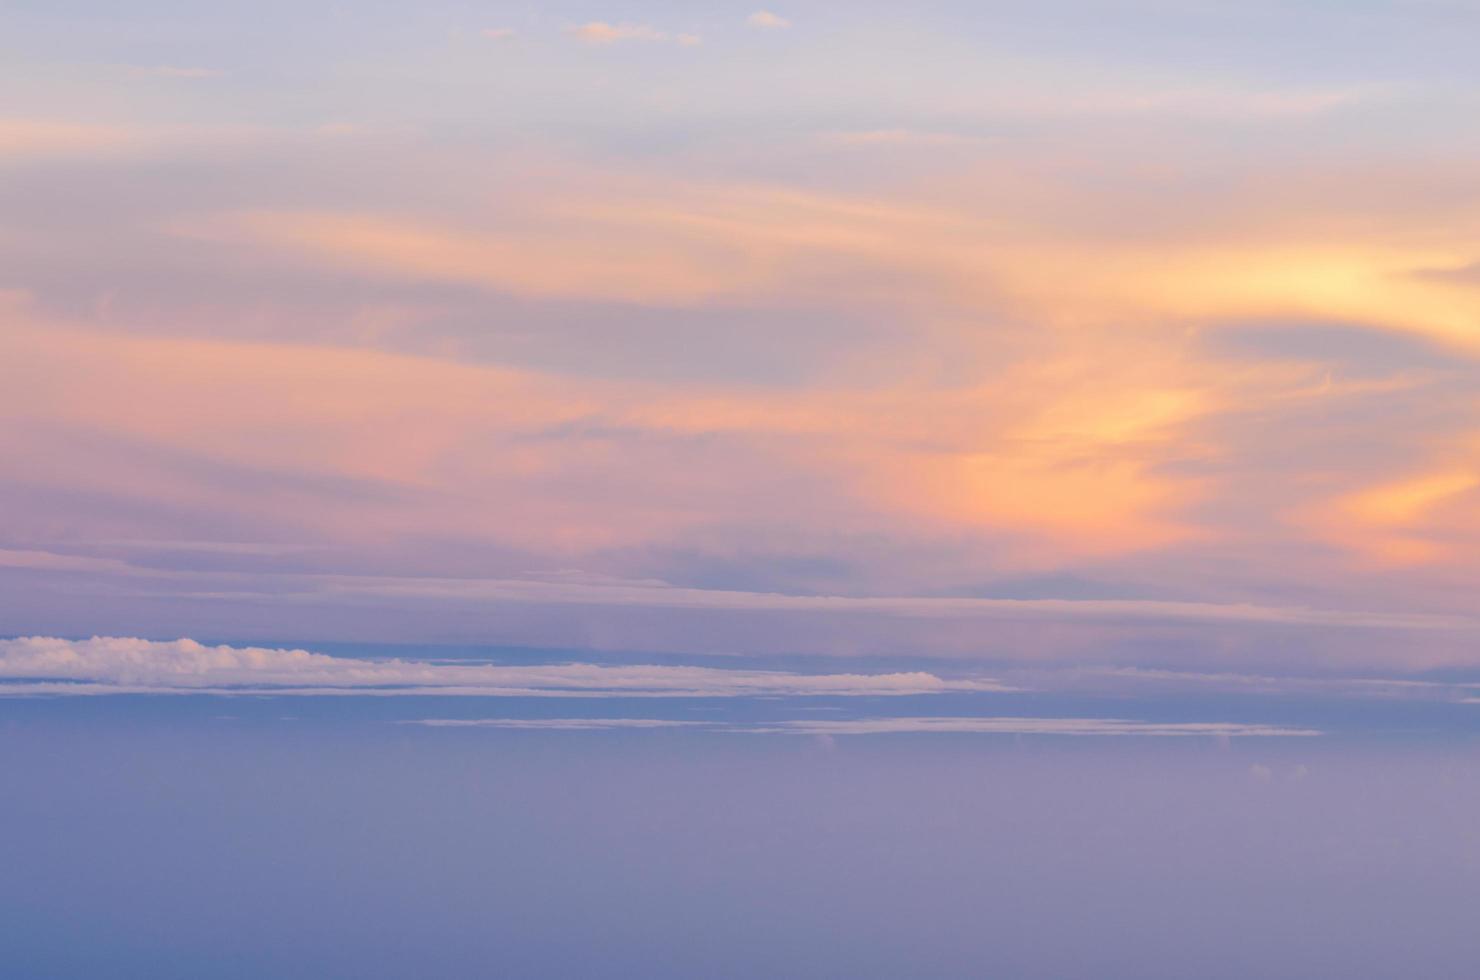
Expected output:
{"points": [[666, 596], [53, 666], [1028, 726], [124, 665], [558, 724], [609, 591], [899, 726]]}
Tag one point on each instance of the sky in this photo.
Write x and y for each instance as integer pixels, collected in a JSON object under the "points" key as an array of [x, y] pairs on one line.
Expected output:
{"points": [[477, 313], [739, 411]]}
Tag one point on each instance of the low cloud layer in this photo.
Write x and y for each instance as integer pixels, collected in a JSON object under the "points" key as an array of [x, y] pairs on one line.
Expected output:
{"points": [[1027, 726], [558, 724], [123, 665], [899, 726]]}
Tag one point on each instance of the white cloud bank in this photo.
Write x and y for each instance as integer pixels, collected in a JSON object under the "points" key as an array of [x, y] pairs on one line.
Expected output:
{"points": [[52, 666], [41, 665]]}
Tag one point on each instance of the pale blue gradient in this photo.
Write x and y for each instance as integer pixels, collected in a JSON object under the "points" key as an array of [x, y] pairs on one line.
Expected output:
{"points": [[220, 838]]}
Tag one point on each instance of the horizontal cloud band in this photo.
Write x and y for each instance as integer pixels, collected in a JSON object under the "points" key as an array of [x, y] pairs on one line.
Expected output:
{"points": [[661, 595], [123, 665], [897, 726]]}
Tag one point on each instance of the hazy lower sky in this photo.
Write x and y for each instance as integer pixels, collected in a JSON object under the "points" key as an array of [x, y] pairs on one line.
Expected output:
{"points": [[393, 394]]}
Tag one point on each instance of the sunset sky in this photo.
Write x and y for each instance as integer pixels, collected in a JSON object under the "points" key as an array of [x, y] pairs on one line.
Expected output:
{"points": [[503, 309], [523, 356]]}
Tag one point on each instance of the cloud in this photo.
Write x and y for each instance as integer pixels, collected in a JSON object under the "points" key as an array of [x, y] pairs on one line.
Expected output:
{"points": [[1093, 441], [264, 548], [1144, 681], [1028, 726], [24, 138], [558, 724], [907, 138], [361, 450], [124, 665], [1011, 396], [499, 33], [827, 730], [176, 71], [589, 263], [1391, 522], [581, 589], [601, 32], [98, 143], [766, 20], [673, 597], [1218, 102], [51, 562]]}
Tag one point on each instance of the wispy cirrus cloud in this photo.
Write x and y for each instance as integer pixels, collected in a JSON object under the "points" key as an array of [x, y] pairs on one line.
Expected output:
{"points": [[146, 545], [1029, 726], [601, 32], [52, 562], [897, 137], [25, 138], [824, 346], [1151, 682], [559, 724], [571, 588], [1409, 521], [175, 71], [929, 607], [1076, 727], [766, 20]]}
